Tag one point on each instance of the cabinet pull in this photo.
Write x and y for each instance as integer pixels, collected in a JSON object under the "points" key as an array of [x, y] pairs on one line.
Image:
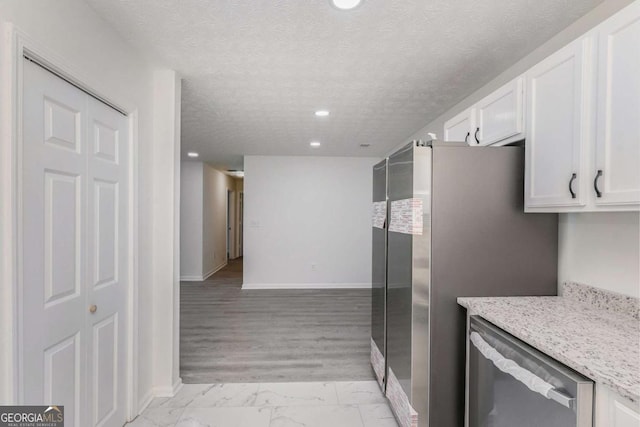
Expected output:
{"points": [[475, 135], [595, 183], [573, 178], [466, 138]]}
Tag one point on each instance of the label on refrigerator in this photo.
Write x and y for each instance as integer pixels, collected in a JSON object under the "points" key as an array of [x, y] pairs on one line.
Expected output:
{"points": [[379, 214], [406, 216]]}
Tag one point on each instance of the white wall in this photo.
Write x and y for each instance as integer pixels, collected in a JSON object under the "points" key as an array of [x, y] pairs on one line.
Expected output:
{"points": [[602, 250], [191, 192], [588, 253], [305, 211], [105, 62], [166, 239]]}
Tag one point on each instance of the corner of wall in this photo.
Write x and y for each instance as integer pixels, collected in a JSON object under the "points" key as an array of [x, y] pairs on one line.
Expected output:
{"points": [[7, 309], [166, 217], [601, 249]]}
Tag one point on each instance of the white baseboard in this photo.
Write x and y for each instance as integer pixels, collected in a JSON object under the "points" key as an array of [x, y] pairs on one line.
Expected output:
{"points": [[177, 386], [205, 276], [168, 391], [306, 285], [214, 270], [191, 279], [145, 401]]}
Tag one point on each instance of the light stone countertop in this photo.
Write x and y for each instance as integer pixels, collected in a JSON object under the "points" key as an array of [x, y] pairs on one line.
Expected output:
{"points": [[600, 344]]}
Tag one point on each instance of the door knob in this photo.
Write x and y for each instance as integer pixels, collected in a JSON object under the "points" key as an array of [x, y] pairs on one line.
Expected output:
{"points": [[93, 308]]}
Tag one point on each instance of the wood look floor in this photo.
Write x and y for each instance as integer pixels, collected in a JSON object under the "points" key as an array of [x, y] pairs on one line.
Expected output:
{"points": [[230, 335]]}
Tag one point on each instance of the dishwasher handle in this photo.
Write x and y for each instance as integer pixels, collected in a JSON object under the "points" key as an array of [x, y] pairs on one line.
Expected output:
{"points": [[508, 366]]}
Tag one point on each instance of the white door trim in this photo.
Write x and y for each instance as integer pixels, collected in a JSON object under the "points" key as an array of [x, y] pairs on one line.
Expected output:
{"points": [[15, 45]]}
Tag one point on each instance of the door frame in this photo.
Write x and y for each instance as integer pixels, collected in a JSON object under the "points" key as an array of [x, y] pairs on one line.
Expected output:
{"points": [[15, 45], [232, 250], [240, 224], [227, 228]]}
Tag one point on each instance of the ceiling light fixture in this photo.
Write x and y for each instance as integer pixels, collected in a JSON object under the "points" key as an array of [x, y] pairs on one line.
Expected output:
{"points": [[192, 154], [322, 113], [236, 173], [315, 144], [345, 4]]}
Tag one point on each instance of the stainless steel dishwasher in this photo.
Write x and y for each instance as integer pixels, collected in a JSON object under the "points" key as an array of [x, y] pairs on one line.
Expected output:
{"points": [[511, 384]]}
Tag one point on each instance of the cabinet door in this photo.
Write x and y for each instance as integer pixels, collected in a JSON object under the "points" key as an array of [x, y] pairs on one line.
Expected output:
{"points": [[559, 93], [617, 171], [614, 411], [461, 127], [499, 116]]}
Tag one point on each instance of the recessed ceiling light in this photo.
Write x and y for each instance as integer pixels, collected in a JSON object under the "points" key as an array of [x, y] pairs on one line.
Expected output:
{"points": [[314, 144], [192, 154], [345, 4], [236, 173], [322, 113]]}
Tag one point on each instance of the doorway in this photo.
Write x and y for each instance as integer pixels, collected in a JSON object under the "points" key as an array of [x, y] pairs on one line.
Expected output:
{"points": [[240, 222], [229, 224]]}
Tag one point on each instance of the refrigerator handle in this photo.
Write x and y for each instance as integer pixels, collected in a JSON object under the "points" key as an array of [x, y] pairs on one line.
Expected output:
{"points": [[508, 366]]}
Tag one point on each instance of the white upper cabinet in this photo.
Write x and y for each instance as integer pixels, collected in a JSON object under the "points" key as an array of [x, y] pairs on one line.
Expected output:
{"points": [[461, 127], [616, 175], [583, 118], [499, 116], [558, 116], [578, 111]]}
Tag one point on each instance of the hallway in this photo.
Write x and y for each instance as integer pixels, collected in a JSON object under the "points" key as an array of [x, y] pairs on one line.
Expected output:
{"points": [[230, 335]]}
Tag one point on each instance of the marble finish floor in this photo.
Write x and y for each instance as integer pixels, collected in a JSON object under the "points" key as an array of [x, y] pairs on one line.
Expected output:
{"points": [[310, 404], [230, 335]]}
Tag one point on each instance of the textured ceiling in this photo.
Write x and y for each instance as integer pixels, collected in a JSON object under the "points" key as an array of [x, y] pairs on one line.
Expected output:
{"points": [[256, 70]]}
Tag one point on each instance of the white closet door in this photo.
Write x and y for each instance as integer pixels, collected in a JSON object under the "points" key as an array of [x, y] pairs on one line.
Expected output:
{"points": [[54, 249], [107, 146], [70, 221]]}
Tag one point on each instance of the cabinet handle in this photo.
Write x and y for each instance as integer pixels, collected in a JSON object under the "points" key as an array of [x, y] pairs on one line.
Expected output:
{"points": [[475, 135], [466, 138], [595, 183], [573, 178]]}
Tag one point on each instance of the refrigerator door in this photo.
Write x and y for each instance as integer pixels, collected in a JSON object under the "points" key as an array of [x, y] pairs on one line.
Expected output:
{"points": [[408, 275], [399, 249], [379, 259]]}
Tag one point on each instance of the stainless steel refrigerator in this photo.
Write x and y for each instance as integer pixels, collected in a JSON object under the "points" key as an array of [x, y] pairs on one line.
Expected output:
{"points": [[455, 226]]}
